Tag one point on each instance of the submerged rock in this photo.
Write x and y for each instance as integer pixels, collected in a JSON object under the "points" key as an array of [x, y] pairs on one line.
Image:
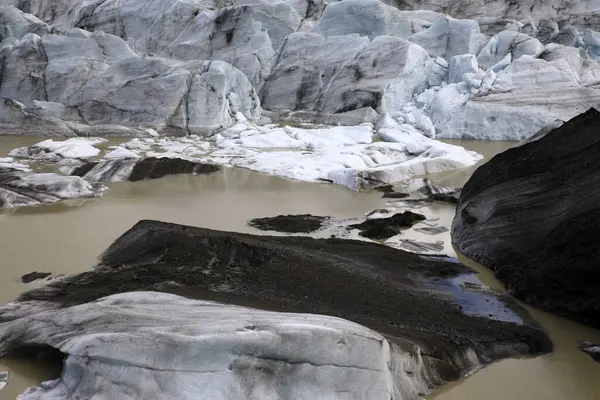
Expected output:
{"points": [[136, 169], [34, 276], [393, 292], [384, 228], [20, 187], [289, 223], [532, 214]]}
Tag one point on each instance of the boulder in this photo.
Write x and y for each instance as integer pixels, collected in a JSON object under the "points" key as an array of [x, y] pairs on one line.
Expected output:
{"points": [[531, 215], [427, 333]]}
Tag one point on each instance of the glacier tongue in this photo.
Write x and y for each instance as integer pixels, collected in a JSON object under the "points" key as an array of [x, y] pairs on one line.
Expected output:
{"points": [[121, 68]]}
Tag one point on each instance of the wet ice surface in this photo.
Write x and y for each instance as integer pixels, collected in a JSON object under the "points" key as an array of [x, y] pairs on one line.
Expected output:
{"points": [[359, 157], [475, 298], [3, 379]]}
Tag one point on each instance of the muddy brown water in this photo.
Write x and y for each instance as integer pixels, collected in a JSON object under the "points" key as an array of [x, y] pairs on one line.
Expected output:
{"points": [[66, 238]]}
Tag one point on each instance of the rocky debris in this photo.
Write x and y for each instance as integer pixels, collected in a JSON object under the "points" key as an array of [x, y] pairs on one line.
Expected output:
{"points": [[34, 276], [531, 215], [384, 228], [592, 349], [22, 187], [137, 169], [422, 190], [386, 290], [305, 223]]}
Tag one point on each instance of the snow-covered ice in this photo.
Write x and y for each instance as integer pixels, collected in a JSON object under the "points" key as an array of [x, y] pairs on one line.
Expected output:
{"points": [[358, 157], [121, 152]]}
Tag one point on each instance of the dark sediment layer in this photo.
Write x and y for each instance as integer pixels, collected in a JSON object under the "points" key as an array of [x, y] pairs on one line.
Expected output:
{"points": [[140, 169], [532, 215], [304, 223], [385, 289], [384, 228]]}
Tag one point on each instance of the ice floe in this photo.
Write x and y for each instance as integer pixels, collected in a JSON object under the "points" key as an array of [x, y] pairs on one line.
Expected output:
{"points": [[358, 157]]}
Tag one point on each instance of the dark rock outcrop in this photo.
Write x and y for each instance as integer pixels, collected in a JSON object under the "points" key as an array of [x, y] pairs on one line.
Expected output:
{"points": [[402, 295], [384, 228], [305, 223], [34, 276], [132, 169], [532, 215]]}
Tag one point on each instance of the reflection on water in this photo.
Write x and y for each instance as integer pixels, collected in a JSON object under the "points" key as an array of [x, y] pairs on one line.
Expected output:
{"points": [[566, 374]]}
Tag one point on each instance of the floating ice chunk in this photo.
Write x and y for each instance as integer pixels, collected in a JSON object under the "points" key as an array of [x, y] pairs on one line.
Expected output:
{"points": [[278, 138], [121, 152], [52, 151], [9, 163], [21, 188]]}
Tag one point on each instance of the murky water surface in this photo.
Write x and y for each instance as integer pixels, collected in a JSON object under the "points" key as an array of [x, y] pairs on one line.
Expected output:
{"points": [[66, 238]]}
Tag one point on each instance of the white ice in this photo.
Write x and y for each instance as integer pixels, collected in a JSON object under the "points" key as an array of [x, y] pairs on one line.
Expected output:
{"points": [[166, 346], [53, 150], [358, 157]]}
